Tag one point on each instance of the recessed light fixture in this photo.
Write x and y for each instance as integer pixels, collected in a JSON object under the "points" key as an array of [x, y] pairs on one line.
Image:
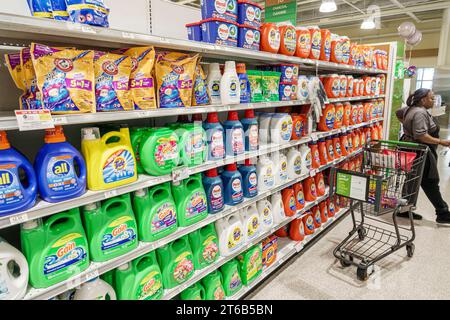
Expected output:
{"points": [[328, 6], [368, 23]]}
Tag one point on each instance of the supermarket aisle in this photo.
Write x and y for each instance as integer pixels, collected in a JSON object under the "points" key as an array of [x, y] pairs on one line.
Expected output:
{"points": [[317, 275]]}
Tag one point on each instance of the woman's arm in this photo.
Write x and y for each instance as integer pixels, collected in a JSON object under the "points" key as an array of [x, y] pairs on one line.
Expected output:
{"points": [[426, 138]]}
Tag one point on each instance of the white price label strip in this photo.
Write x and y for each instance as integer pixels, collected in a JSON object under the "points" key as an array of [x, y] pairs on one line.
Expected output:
{"points": [[34, 119], [18, 219], [110, 194]]}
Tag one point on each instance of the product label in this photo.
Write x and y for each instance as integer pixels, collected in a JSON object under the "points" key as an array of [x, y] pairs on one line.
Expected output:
{"points": [[195, 145], [60, 174], [316, 44], [216, 146], [214, 90], [197, 205], [10, 188], [336, 87], [219, 294], [223, 31], [286, 130], [298, 165], [119, 234], [220, 6], [350, 88], [310, 223], [300, 197], [210, 250], [254, 265], [329, 119], [313, 190], [317, 217], [252, 133], [267, 217], [268, 178], [316, 156], [249, 37], [150, 287], [235, 281], [234, 83], [337, 145], [338, 51], [274, 39], [237, 141], [283, 171], [327, 47], [287, 91], [325, 213], [308, 160], [292, 204], [237, 192], [216, 197], [252, 227], [339, 115], [298, 129], [184, 267], [234, 238], [331, 151], [269, 256], [166, 151], [288, 74], [343, 87], [119, 166], [331, 208], [304, 92], [301, 229], [164, 218], [252, 183]]}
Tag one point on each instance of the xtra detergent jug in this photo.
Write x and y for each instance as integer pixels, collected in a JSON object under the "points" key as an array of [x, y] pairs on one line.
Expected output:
{"points": [[308, 222], [13, 272], [269, 250], [109, 164], [110, 228], [299, 196], [289, 202], [176, 261], [136, 134], [266, 214], [339, 112], [55, 166], [215, 195], [232, 282], [320, 184], [15, 195], [251, 222], [297, 230], [309, 188], [249, 179], [270, 37], [56, 248], [316, 42], [190, 199], [317, 217], [294, 163], [265, 172], [288, 38], [95, 289], [155, 211], [250, 125], [205, 246], [232, 184], [194, 292], [325, 51], [277, 208], [215, 137], [323, 211], [250, 263], [328, 118], [231, 234], [192, 143], [303, 48], [213, 286], [140, 279], [234, 135]]}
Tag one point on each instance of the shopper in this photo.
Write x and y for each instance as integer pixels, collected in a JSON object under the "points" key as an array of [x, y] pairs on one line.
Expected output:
{"points": [[420, 127]]}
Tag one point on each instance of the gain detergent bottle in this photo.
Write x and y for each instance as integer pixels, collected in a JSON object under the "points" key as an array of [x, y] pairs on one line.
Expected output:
{"points": [[110, 227], [136, 135], [156, 212], [232, 282], [251, 264], [205, 246], [56, 248], [139, 279], [194, 292], [213, 286]]}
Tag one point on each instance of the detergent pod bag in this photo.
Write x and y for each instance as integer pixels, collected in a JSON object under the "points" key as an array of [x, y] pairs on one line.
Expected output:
{"points": [[59, 10], [112, 80], [15, 69], [65, 78], [92, 12], [41, 8], [175, 73], [200, 95], [33, 97], [142, 83]]}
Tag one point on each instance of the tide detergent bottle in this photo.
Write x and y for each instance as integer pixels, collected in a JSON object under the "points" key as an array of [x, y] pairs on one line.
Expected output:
{"points": [[15, 195], [205, 246], [13, 281], [56, 248], [213, 284], [215, 136], [110, 228], [190, 199], [55, 166], [214, 191], [140, 279], [251, 131], [194, 292], [176, 261], [232, 183], [156, 212], [249, 179], [232, 282], [251, 264], [109, 164], [234, 135], [251, 222], [231, 234]]}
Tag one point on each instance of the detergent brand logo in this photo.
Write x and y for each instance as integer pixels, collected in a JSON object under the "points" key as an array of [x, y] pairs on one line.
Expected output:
{"points": [[257, 36], [220, 5], [236, 185], [217, 192], [233, 86], [231, 5], [65, 65], [223, 31], [300, 197], [331, 151], [61, 168], [177, 69], [292, 203], [310, 222], [274, 38], [215, 86], [235, 281], [6, 178], [287, 93], [270, 256], [166, 212], [119, 163], [119, 230], [134, 64], [289, 72], [110, 68], [253, 179], [148, 286], [250, 37], [250, 13], [284, 126], [284, 166], [237, 234], [313, 189], [69, 246]]}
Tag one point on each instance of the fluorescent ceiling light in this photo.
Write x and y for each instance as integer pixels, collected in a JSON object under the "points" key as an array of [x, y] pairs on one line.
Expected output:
{"points": [[328, 6], [368, 23]]}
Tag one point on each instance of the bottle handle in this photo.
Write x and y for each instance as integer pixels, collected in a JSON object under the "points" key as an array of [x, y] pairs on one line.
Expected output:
{"points": [[52, 220], [22, 280], [112, 134], [82, 165], [159, 192], [32, 179], [122, 203]]}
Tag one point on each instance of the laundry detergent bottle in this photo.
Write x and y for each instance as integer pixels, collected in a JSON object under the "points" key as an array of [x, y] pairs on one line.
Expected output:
{"points": [[243, 82], [193, 144], [213, 81], [13, 272], [251, 222], [95, 289], [234, 135], [231, 234], [232, 282], [215, 196], [56, 164], [15, 194], [213, 286], [232, 183], [194, 292], [56, 248], [136, 135], [110, 228], [249, 179], [251, 264], [205, 246], [266, 173], [215, 137], [266, 214], [230, 90], [110, 160], [277, 208], [251, 131]]}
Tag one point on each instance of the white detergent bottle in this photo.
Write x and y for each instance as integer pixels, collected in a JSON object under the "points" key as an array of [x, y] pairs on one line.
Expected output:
{"points": [[13, 272], [306, 158], [230, 233], [279, 160], [213, 82], [281, 128], [264, 120], [251, 222], [266, 215], [230, 89], [277, 208], [294, 158], [95, 289], [265, 173]]}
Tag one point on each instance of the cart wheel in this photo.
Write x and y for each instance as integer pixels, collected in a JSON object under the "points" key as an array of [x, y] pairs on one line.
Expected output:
{"points": [[362, 274], [346, 261], [362, 234], [410, 249]]}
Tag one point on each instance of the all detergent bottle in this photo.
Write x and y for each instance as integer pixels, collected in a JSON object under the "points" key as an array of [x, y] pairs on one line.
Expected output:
{"points": [[232, 183], [249, 179], [266, 214], [110, 228], [136, 135], [213, 80], [140, 279], [215, 137], [251, 264], [15, 194], [251, 131], [205, 246], [55, 166], [231, 234], [234, 135], [156, 212], [232, 282], [109, 164], [251, 222], [192, 144], [194, 292], [214, 191], [277, 208], [190, 199], [56, 248], [13, 272], [95, 289], [243, 83], [176, 261], [213, 284], [230, 90], [265, 172]]}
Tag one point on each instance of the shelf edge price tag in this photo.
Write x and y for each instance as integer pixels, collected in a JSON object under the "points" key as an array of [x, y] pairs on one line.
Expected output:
{"points": [[93, 274], [18, 219], [34, 119], [179, 174], [128, 35], [110, 194]]}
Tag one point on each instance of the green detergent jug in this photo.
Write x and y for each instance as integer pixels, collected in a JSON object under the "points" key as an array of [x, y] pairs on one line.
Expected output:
{"points": [[232, 282], [111, 228], [109, 277], [213, 286], [139, 279], [193, 144], [251, 264], [205, 246], [136, 137], [156, 212], [190, 198], [159, 151], [176, 262], [56, 248], [194, 292]]}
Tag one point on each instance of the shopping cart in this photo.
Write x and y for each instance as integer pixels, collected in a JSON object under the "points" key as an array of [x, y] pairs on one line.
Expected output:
{"points": [[389, 182]]}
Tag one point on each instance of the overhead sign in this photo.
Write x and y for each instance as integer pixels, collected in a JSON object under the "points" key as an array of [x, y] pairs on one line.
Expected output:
{"points": [[281, 11]]}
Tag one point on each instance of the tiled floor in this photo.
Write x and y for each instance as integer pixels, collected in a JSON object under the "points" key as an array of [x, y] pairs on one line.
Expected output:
{"points": [[318, 275]]}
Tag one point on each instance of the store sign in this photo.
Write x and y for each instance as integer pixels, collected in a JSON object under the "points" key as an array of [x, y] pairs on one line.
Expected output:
{"points": [[352, 186], [281, 11]]}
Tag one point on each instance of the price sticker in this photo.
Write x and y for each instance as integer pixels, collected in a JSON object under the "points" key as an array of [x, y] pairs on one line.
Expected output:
{"points": [[88, 29], [180, 173], [92, 274], [144, 114], [34, 119], [110, 194], [128, 35], [18, 219], [60, 120]]}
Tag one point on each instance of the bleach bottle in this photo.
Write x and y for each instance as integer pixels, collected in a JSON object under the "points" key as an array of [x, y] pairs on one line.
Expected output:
{"points": [[156, 212], [215, 136], [251, 131], [232, 282], [13, 281], [55, 166], [194, 292], [110, 228], [232, 183], [249, 179], [56, 248], [95, 289], [213, 284], [214, 191], [244, 83], [190, 199], [15, 196], [205, 246], [234, 135], [231, 234]]}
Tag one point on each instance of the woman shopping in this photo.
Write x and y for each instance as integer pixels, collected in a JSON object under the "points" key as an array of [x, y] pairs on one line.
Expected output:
{"points": [[420, 127]]}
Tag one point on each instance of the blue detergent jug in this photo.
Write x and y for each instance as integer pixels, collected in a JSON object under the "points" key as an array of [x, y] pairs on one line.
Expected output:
{"points": [[55, 166], [249, 179], [215, 135], [15, 194], [234, 135], [251, 132], [232, 183], [214, 191]]}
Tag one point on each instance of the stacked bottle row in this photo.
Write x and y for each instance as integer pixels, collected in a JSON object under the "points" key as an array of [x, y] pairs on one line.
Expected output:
{"points": [[341, 86]]}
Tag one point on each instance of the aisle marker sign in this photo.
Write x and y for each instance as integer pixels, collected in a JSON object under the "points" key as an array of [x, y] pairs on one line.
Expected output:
{"points": [[34, 119], [352, 186], [281, 11]]}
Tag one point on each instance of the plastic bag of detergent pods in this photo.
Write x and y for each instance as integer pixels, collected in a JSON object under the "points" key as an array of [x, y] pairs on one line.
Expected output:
{"points": [[15, 69], [41, 8], [92, 12], [59, 10], [112, 80], [32, 97], [65, 78], [200, 95]]}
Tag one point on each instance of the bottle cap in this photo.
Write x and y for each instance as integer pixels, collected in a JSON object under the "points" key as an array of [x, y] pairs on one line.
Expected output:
{"points": [[240, 68], [140, 193], [247, 163], [123, 267], [90, 206], [211, 173], [30, 225], [233, 116], [249, 114], [212, 117], [230, 65], [54, 135], [197, 117], [4, 143], [231, 167]]}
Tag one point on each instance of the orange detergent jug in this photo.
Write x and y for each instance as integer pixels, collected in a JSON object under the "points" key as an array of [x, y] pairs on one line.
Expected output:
{"points": [[356, 142], [339, 110], [299, 196], [288, 38], [360, 113], [316, 42], [323, 155], [336, 49], [362, 137], [356, 84], [380, 131], [354, 114], [353, 53], [344, 145], [368, 107], [315, 155], [283, 232], [344, 86], [325, 51], [350, 86], [309, 189], [270, 38], [323, 211], [316, 215], [345, 50], [327, 118], [382, 78], [337, 147], [298, 125], [350, 142], [347, 114], [358, 164], [331, 206], [351, 165], [367, 86], [362, 88], [289, 202], [330, 149], [308, 222], [297, 230], [320, 184], [303, 42], [332, 85]]}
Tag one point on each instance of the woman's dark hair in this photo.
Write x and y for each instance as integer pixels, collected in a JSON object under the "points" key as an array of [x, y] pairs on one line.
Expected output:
{"points": [[418, 95]]}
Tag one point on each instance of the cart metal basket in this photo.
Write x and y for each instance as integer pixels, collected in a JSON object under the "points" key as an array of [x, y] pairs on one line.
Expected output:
{"points": [[389, 182]]}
